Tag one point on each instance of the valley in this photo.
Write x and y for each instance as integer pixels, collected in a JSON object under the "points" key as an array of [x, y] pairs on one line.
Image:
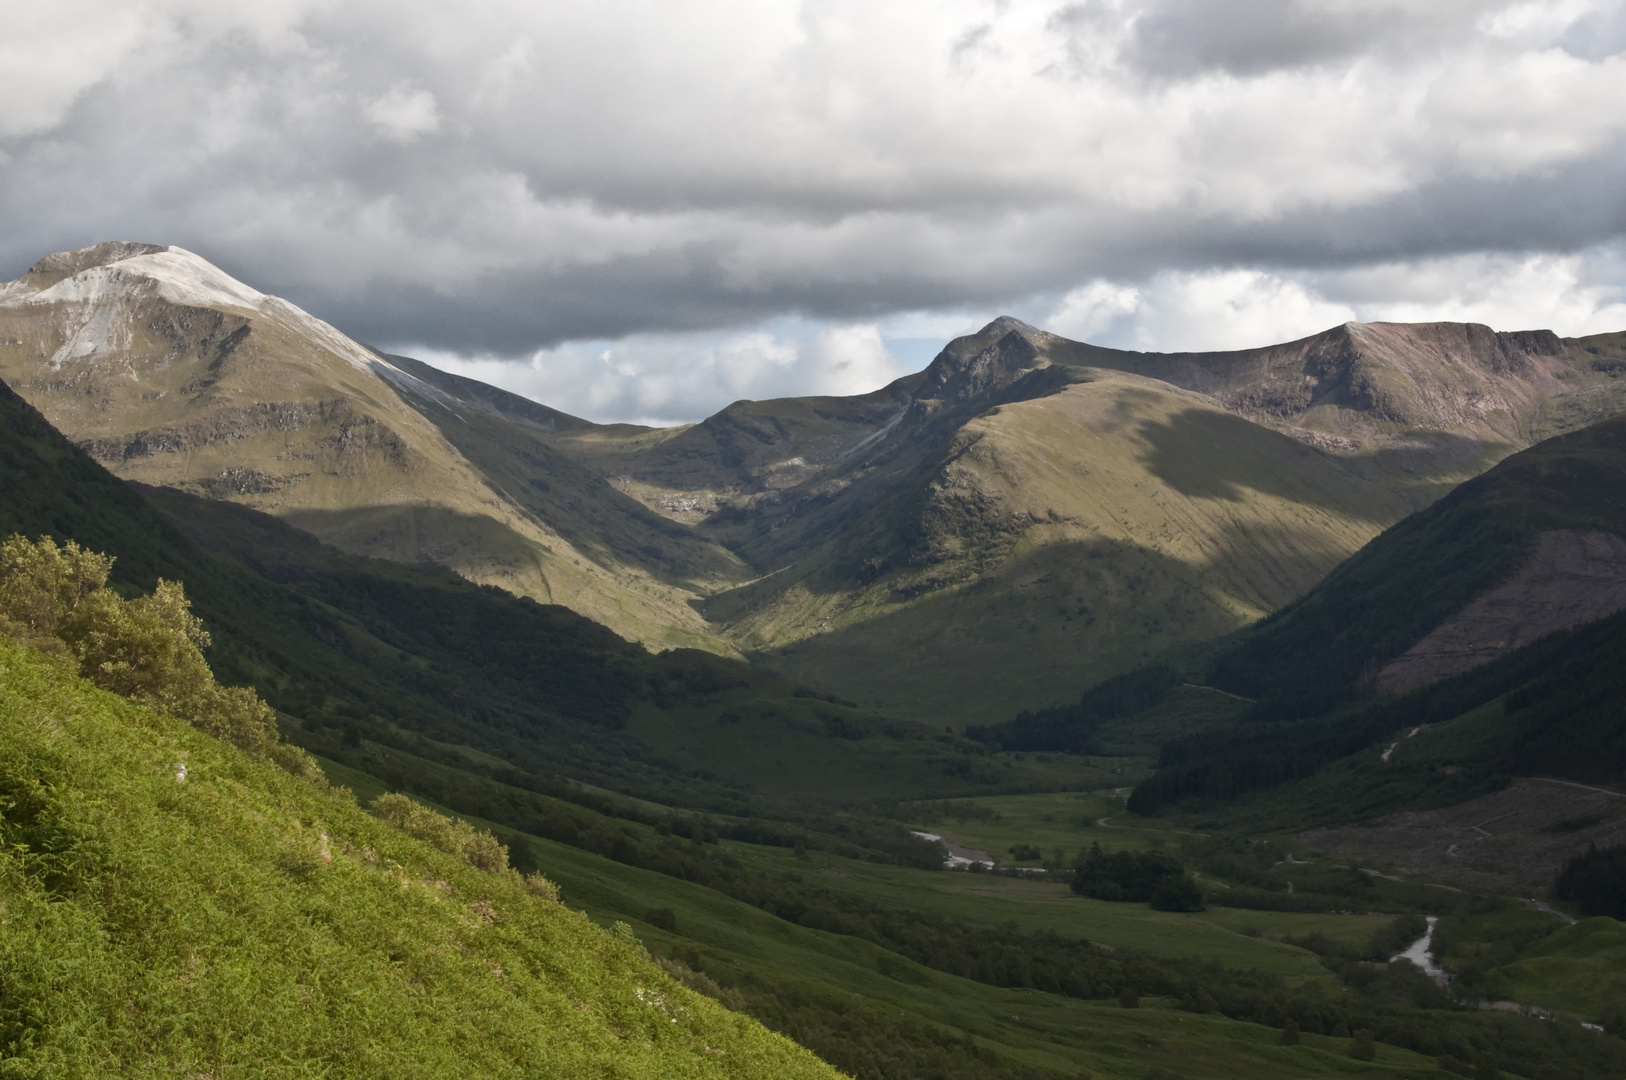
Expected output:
{"points": [[1326, 633]]}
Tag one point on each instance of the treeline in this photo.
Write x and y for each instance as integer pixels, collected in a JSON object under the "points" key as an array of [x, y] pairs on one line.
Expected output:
{"points": [[1071, 728], [1596, 881], [554, 808], [1397, 1004], [867, 1040]]}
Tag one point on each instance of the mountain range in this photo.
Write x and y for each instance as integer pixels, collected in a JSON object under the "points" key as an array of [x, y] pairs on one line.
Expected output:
{"points": [[1059, 510]]}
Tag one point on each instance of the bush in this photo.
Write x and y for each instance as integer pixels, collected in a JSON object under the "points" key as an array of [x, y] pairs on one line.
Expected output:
{"points": [[451, 835], [1177, 894], [150, 648]]}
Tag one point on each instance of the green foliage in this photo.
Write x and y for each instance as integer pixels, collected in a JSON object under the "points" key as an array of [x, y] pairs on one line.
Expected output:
{"points": [[1178, 893], [1128, 875], [451, 835], [232, 921], [149, 648], [861, 1038], [1595, 881]]}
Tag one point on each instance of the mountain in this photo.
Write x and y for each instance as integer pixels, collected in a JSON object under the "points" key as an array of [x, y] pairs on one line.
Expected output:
{"points": [[173, 907], [1496, 615], [365, 657], [171, 372], [126, 886], [1058, 512], [1051, 510]]}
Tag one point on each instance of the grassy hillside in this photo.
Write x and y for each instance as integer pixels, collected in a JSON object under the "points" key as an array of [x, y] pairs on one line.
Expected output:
{"points": [[1059, 541], [821, 942], [230, 921]]}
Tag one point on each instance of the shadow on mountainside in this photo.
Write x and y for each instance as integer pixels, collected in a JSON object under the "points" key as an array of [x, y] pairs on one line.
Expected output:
{"points": [[1207, 454], [1035, 631]]}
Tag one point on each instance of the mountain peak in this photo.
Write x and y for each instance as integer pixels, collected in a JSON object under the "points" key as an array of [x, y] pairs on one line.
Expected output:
{"points": [[95, 273], [1006, 324], [67, 263]]}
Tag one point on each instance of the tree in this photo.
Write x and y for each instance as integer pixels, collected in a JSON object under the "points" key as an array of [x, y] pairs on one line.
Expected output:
{"points": [[1177, 894]]}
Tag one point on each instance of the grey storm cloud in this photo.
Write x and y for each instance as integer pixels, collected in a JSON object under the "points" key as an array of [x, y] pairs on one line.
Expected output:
{"points": [[503, 177]]}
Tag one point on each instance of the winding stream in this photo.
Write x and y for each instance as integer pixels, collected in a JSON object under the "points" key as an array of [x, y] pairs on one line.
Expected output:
{"points": [[1420, 952]]}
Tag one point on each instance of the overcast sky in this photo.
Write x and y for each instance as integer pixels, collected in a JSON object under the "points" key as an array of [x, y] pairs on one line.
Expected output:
{"points": [[644, 210]]}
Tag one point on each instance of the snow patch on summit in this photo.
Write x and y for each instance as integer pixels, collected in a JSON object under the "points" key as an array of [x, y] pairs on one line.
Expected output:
{"points": [[180, 277], [177, 275]]}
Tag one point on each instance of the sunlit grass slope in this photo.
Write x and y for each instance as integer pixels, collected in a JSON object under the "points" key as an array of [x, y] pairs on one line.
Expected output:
{"points": [[1062, 540], [228, 920]]}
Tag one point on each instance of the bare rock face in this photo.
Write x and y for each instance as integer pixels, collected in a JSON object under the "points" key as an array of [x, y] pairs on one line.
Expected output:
{"points": [[1569, 578]]}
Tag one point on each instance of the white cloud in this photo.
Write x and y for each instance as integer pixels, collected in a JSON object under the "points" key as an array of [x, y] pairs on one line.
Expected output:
{"points": [[1571, 294], [402, 114], [498, 178], [1574, 295], [676, 378], [1091, 311]]}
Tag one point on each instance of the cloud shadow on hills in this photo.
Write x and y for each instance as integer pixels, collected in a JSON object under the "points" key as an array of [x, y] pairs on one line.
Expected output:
{"points": [[1035, 632], [1202, 453]]}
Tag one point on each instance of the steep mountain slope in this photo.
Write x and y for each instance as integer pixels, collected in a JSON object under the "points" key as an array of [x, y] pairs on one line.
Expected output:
{"points": [[1056, 511], [172, 907], [169, 371], [1511, 585], [357, 651]]}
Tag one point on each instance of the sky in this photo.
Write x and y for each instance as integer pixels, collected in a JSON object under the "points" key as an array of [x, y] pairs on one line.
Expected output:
{"points": [[645, 209]]}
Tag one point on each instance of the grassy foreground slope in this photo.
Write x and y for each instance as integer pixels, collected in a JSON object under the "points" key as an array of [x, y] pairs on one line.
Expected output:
{"points": [[228, 920]]}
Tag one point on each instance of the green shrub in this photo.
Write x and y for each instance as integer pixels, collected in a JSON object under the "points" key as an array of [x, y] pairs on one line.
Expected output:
{"points": [[56, 599], [452, 836]]}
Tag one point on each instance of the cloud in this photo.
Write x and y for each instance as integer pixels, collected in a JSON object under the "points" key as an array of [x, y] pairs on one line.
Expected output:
{"points": [[1574, 295], [402, 114], [676, 378], [508, 177]]}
